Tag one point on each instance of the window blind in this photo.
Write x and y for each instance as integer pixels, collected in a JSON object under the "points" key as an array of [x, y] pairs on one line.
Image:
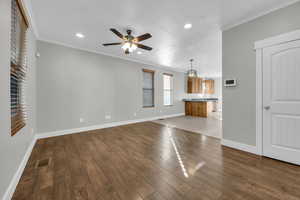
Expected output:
{"points": [[148, 88], [18, 66]]}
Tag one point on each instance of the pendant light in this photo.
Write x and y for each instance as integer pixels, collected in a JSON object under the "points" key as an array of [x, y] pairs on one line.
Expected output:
{"points": [[192, 72]]}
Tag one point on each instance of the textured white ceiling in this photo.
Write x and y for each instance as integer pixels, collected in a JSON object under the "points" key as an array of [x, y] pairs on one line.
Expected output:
{"points": [[173, 46]]}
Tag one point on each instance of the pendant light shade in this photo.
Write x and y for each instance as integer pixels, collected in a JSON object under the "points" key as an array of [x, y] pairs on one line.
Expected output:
{"points": [[192, 72]]}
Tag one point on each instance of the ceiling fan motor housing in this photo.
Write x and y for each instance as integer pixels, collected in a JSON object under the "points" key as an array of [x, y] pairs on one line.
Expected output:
{"points": [[129, 37], [129, 31]]}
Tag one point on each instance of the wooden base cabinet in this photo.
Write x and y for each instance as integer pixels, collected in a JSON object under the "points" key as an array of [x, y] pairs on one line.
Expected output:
{"points": [[198, 109]]}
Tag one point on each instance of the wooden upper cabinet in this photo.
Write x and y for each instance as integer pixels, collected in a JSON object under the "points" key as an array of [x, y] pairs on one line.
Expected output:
{"points": [[194, 85], [209, 86]]}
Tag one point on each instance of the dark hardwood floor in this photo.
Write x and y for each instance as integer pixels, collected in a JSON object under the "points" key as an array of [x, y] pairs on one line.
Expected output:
{"points": [[148, 161]]}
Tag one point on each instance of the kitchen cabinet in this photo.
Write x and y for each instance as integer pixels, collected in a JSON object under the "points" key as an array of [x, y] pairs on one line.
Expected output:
{"points": [[194, 85], [209, 87]]}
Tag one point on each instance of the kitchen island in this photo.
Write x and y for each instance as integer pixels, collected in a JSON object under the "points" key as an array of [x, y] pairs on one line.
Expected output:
{"points": [[200, 107]]}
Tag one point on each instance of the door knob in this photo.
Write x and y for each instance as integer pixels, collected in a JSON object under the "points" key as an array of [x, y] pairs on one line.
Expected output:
{"points": [[267, 107]]}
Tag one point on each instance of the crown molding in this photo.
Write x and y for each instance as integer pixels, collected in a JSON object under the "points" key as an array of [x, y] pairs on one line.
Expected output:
{"points": [[283, 38], [248, 19], [114, 56]]}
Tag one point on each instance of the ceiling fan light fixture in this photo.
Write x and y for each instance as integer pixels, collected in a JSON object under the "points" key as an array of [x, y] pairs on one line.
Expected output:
{"points": [[125, 46], [130, 43], [130, 46], [133, 47]]}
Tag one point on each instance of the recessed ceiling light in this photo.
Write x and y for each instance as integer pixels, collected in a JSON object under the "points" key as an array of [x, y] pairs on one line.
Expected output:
{"points": [[188, 26], [139, 52], [80, 35]]}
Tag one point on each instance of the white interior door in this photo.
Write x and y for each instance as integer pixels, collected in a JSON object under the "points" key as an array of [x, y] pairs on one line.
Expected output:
{"points": [[281, 101]]}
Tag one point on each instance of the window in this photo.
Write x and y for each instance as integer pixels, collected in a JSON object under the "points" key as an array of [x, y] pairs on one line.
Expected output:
{"points": [[148, 88], [19, 26], [168, 89]]}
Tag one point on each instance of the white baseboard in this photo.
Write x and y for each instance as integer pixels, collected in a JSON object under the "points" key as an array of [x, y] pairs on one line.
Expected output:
{"points": [[240, 146], [101, 126], [14, 182]]}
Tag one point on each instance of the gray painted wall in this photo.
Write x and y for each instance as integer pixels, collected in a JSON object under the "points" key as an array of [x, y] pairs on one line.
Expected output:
{"points": [[74, 84], [239, 62], [12, 149]]}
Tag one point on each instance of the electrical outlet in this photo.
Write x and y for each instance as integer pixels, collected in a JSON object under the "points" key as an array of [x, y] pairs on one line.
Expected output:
{"points": [[81, 120], [107, 117], [134, 114]]}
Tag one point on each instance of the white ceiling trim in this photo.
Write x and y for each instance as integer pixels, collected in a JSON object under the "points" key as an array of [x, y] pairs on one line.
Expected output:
{"points": [[29, 13], [286, 37], [114, 56], [248, 19]]}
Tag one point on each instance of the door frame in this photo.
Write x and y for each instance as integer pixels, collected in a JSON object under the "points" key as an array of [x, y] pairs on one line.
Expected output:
{"points": [[258, 47]]}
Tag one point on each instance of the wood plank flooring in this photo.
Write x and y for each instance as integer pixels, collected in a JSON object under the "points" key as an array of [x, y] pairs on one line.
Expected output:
{"points": [[149, 161]]}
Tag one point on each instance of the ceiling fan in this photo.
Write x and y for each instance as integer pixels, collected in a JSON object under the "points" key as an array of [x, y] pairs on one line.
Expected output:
{"points": [[130, 43]]}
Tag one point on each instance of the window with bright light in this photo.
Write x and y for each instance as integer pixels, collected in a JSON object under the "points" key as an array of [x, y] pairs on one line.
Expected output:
{"points": [[168, 89]]}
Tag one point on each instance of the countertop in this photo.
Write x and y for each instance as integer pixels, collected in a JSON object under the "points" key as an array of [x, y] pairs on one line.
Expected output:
{"points": [[200, 100]]}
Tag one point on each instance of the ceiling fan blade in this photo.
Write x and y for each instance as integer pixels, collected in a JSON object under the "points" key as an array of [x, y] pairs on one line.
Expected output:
{"points": [[116, 43], [143, 37], [117, 33], [144, 47]]}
